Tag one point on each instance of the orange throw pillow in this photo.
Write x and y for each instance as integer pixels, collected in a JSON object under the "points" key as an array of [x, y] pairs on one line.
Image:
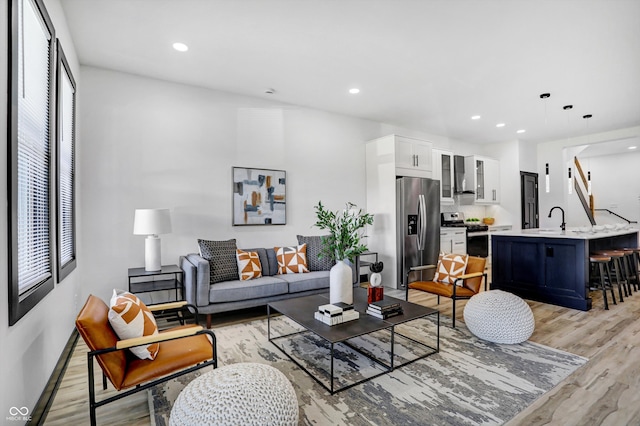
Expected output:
{"points": [[131, 318], [249, 265], [292, 260], [450, 266]]}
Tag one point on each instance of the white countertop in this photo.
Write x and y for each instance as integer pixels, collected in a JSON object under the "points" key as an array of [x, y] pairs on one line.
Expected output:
{"points": [[496, 227], [491, 227], [570, 233]]}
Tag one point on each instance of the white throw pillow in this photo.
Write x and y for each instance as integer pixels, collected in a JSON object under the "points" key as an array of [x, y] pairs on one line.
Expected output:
{"points": [[249, 265], [292, 260], [131, 318], [450, 266]]}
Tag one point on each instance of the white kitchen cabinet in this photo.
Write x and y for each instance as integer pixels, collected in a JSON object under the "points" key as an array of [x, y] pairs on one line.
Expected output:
{"points": [[492, 180], [386, 159], [412, 157], [453, 240], [484, 174], [443, 171]]}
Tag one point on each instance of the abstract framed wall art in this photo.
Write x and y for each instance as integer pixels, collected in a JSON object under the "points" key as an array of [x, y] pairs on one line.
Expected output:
{"points": [[259, 196]]}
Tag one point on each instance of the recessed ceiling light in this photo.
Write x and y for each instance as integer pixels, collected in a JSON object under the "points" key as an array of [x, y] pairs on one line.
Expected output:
{"points": [[632, 147], [521, 131], [354, 91], [475, 117], [180, 47], [500, 125]]}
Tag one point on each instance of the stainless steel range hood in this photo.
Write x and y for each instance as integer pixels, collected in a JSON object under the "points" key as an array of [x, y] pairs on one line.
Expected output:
{"points": [[460, 186]]}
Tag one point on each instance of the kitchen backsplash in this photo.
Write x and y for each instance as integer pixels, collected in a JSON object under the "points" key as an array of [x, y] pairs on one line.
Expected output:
{"points": [[468, 210], [501, 216]]}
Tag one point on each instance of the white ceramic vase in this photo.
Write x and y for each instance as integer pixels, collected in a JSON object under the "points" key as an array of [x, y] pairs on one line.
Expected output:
{"points": [[375, 279], [340, 286]]}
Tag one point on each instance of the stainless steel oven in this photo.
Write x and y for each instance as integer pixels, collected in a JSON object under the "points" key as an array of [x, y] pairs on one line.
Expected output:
{"points": [[478, 243], [477, 234]]}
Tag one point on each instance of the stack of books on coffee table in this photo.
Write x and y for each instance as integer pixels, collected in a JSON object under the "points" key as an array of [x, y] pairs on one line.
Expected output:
{"points": [[337, 313], [384, 309]]}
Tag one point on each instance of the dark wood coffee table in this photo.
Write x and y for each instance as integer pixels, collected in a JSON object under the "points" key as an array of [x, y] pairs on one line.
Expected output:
{"points": [[301, 311]]}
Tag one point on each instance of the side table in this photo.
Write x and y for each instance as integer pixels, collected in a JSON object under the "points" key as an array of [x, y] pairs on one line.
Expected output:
{"points": [[169, 277]]}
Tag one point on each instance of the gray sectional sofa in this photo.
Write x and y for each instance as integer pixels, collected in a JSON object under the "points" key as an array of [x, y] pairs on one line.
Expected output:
{"points": [[229, 295]]}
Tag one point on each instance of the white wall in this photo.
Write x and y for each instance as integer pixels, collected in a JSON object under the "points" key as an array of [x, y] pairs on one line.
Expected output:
{"points": [[528, 158], [31, 347], [554, 153], [150, 143], [615, 183], [508, 211]]}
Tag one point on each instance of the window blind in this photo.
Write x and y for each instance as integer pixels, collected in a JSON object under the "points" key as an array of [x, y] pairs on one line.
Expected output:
{"points": [[33, 149], [66, 166]]}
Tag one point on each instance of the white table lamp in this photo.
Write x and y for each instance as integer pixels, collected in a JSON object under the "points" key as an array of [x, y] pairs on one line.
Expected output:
{"points": [[152, 222]]}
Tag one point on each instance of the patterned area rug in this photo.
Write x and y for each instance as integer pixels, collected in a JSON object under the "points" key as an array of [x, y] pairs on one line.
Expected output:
{"points": [[469, 382]]}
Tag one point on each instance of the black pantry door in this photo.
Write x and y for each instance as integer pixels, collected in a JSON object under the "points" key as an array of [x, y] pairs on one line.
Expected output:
{"points": [[529, 199]]}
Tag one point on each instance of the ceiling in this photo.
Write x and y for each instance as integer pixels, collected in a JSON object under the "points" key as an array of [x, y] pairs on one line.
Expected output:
{"points": [[427, 65], [612, 147]]}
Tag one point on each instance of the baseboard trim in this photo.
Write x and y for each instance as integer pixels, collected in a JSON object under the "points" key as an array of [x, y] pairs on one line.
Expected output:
{"points": [[40, 411]]}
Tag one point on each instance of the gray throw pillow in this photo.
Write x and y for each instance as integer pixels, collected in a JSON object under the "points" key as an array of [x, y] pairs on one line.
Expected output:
{"points": [[314, 248], [222, 259]]}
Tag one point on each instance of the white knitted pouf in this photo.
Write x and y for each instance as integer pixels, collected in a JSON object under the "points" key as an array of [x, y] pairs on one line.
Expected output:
{"points": [[499, 316], [237, 394]]}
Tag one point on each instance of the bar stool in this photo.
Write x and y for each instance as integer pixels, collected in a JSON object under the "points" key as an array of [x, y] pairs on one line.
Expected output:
{"points": [[632, 255], [616, 261], [603, 264], [625, 268]]}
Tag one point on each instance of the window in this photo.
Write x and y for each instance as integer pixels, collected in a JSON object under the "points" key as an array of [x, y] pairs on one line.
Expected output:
{"points": [[65, 136], [31, 61]]}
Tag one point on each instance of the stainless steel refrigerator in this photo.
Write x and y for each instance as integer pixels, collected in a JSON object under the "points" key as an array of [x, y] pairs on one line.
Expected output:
{"points": [[417, 224]]}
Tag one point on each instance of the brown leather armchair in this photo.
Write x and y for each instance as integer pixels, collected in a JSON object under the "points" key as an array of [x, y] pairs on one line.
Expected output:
{"points": [[183, 349], [471, 283]]}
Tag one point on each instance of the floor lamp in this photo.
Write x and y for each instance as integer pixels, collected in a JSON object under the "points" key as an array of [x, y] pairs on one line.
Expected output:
{"points": [[152, 222]]}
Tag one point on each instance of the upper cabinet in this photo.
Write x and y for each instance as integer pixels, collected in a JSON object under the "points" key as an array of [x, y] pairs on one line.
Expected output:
{"points": [[484, 173], [443, 171], [411, 157]]}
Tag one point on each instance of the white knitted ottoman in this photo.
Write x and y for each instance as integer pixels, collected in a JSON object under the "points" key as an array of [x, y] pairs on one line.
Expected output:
{"points": [[499, 316], [237, 394]]}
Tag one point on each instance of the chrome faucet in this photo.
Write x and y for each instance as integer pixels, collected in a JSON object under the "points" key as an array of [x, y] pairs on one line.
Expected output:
{"points": [[562, 225]]}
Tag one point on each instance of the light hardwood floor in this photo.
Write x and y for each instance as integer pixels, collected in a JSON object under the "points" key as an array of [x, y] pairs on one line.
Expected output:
{"points": [[605, 391]]}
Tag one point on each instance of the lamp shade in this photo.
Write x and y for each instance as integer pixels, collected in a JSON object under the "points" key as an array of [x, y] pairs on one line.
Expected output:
{"points": [[152, 222]]}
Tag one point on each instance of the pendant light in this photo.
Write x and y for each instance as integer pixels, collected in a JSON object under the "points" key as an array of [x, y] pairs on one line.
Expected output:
{"points": [[546, 178], [544, 97], [547, 186], [568, 108], [587, 117]]}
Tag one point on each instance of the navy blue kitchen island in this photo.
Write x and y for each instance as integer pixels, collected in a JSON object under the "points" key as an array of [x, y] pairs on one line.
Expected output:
{"points": [[551, 266]]}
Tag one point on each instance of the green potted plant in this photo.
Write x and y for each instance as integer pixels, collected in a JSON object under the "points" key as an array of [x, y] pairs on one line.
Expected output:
{"points": [[346, 231], [344, 242]]}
